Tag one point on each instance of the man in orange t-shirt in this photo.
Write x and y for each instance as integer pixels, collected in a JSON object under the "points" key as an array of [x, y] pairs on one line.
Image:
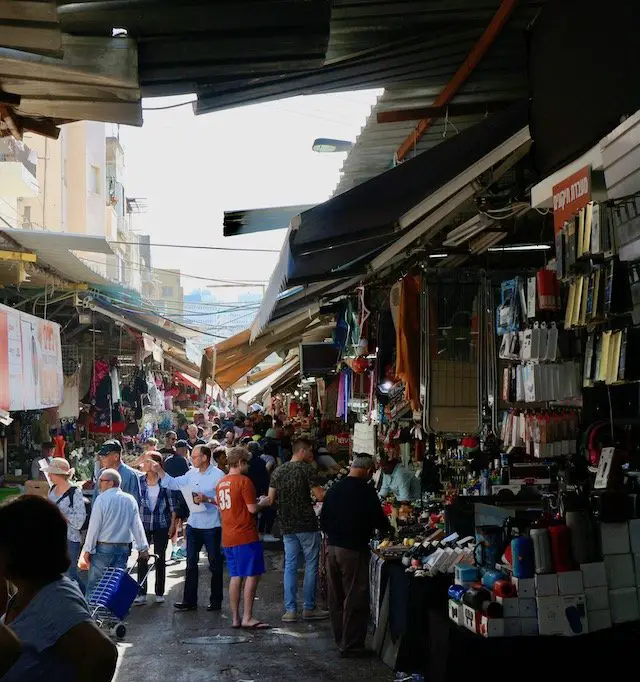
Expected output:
{"points": [[238, 507]]}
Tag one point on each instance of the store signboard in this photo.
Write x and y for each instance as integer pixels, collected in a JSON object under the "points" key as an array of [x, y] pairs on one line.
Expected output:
{"points": [[571, 195], [30, 362]]}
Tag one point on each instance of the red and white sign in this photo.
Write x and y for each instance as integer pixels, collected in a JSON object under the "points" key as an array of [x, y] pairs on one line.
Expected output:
{"points": [[30, 362], [571, 195]]}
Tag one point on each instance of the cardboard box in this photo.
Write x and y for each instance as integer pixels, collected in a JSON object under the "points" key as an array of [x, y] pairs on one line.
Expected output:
{"points": [[492, 627], [614, 538], [594, 574], [599, 620], [624, 608], [562, 615], [547, 585], [620, 571], [525, 587], [39, 488], [510, 606], [471, 618], [570, 583], [634, 535], [529, 627], [527, 608], [597, 598], [455, 612], [513, 627]]}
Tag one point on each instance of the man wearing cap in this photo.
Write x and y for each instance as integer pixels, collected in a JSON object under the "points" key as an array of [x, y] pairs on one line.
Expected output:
{"points": [[110, 457], [115, 521]]}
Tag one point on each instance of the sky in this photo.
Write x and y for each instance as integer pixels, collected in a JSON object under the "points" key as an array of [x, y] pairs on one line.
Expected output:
{"points": [[192, 168]]}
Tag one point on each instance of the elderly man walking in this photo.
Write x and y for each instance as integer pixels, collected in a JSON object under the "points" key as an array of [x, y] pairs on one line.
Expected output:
{"points": [[350, 513], [115, 522], [110, 457]]}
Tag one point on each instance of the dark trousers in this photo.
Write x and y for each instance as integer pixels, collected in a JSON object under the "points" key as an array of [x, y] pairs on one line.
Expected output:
{"points": [[348, 596], [266, 520], [159, 538], [210, 539]]}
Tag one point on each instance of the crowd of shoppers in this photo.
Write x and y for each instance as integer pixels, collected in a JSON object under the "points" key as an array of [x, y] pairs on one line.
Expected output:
{"points": [[221, 486]]}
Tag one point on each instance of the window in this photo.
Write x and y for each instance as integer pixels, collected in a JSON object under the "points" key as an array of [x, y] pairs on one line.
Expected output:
{"points": [[94, 180], [26, 216], [167, 292]]}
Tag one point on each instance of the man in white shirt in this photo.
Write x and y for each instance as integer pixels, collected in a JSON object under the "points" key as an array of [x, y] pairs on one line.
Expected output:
{"points": [[198, 486], [114, 523]]}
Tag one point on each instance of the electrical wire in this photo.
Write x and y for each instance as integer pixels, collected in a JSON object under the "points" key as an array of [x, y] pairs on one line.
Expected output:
{"points": [[170, 106], [193, 246]]}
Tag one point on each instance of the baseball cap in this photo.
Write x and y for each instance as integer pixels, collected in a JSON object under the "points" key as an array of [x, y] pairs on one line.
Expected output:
{"points": [[110, 446], [181, 444]]}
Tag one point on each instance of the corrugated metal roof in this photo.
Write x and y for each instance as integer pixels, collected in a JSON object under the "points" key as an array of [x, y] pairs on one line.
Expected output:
{"points": [[501, 76], [390, 44], [237, 52]]}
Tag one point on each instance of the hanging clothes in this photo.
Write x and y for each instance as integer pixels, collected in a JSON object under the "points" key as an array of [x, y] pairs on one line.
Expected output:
{"points": [[116, 396], [408, 339], [70, 407]]}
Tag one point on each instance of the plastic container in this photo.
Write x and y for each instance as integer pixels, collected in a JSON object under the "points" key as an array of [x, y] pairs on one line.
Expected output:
{"points": [[542, 550], [523, 557], [115, 592]]}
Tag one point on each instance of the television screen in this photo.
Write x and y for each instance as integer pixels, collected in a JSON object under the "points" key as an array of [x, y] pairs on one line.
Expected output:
{"points": [[318, 359]]}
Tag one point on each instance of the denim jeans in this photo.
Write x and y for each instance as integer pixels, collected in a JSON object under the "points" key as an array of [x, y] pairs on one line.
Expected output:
{"points": [[211, 539], [73, 548], [296, 546], [106, 556]]}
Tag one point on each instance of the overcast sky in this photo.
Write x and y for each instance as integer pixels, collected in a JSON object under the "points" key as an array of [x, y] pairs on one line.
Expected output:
{"points": [[193, 168]]}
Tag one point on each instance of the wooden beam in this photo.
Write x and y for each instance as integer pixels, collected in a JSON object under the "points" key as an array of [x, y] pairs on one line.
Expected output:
{"points": [[40, 126], [9, 98], [7, 116], [474, 57], [419, 113], [18, 256]]}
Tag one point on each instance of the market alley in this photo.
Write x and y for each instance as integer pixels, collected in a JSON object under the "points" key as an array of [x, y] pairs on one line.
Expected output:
{"points": [[201, 647]]}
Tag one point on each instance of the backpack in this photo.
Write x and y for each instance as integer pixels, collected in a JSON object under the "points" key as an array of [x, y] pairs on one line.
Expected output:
{"points": [[69, 494]]}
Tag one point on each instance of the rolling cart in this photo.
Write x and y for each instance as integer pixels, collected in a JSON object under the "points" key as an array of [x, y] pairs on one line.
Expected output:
{"points": [[113, 596]]}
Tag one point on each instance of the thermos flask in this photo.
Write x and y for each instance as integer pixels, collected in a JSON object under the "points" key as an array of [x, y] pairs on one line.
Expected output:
{"points": [[523, 557], [582, 538], [560, 540], [542, 550]]}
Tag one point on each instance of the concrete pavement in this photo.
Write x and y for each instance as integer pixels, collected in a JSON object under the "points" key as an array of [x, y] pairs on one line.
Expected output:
{"points": [[164, 646]]}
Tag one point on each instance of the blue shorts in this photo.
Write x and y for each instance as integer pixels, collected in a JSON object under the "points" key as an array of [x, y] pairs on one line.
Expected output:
{"points": [[245, 561]]}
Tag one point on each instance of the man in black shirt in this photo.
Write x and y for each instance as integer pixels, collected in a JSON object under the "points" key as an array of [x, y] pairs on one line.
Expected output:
{"points": [[351, 511], [176, 465]]}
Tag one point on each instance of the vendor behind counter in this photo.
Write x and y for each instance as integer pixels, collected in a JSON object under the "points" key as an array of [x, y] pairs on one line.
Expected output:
{"points": [[399, 482]]}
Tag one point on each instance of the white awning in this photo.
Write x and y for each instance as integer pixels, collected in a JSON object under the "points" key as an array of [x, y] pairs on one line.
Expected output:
{"points": [[56, 249], [256, 391]]}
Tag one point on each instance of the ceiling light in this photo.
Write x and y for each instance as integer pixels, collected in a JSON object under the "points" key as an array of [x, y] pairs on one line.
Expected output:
{"points": [[522, 247], [438, 255], [468, 229]]}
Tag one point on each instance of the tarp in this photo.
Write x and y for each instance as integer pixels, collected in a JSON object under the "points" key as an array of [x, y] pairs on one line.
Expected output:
{"points": [[256, 391]]}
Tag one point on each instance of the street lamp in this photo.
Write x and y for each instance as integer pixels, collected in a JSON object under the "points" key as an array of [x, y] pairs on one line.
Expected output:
{"points": [[324, 145]]}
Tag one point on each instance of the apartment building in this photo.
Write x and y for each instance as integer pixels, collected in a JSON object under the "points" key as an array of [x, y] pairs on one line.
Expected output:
{"points": [[74, 184]]}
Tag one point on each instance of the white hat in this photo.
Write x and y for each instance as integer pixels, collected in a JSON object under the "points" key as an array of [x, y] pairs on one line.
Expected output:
{"points": [[58, 465]]}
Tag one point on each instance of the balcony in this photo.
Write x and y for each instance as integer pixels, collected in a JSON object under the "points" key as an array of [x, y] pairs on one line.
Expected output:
{"points": [[18, 166]]}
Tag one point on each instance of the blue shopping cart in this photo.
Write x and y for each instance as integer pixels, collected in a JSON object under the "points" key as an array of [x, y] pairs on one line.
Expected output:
{"points": [[113, 596]]}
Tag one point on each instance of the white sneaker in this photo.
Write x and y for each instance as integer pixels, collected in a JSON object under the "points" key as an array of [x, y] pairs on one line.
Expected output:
{"points": [[159, 599], [140, 600]]}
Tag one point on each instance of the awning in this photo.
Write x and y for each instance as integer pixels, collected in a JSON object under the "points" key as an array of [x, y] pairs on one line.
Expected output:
{"points": [[256, 391], [189, 380], [354, 232], [238, 355], [255, 377], [133, 320], [56, 250], [248, 221]]}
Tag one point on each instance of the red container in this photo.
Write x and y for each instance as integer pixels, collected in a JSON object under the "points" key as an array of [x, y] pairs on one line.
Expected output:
{"points": [[560, 540]]}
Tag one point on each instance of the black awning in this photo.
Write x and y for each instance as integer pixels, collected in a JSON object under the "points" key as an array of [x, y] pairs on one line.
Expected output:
{"points": [[375, 206]]}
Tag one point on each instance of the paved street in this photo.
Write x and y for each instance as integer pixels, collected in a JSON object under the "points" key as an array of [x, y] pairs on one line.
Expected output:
{"points": [[201, 647]]}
